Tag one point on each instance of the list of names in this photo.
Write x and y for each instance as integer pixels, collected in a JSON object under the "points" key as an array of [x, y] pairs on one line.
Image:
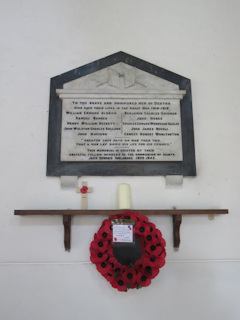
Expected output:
{"points": [[121, 130]]}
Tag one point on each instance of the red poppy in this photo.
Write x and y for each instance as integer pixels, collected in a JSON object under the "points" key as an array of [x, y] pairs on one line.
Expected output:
{"points": [[119, 268], [119, 284], [161, 263], [113, 261], [116, 266], [136, 216], [108, 276], [129, 276], [110, 253], [153, 262], [103, 267], [107, 226], [105, 232], [100, 245], [98, 256], [138, 265], [143, 280], [84, 189], [104, 222], [153, 249], [129, 215], [149, 271], [157, 233], [150, 261], [163, 242], [142, 218], [163, 254], [149, 237], [151, 226], [141, 229]]}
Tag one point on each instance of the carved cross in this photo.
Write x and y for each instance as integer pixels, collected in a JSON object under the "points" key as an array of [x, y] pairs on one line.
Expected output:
{"points": [[121, 76], [84, 190]]}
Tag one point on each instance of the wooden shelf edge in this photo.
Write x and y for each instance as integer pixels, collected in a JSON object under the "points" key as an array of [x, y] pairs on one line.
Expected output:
{"points": [[111, 212]]}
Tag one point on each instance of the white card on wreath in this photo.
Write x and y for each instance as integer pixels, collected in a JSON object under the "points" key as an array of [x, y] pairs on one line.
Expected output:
{"points": [[122, 233]]}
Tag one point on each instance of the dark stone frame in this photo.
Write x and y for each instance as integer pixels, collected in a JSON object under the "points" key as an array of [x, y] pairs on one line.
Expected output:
{"points": [[55, 167]]}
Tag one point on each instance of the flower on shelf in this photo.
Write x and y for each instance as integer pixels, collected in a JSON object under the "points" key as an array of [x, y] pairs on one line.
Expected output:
{"points": [[139, 273], [84, 189]]}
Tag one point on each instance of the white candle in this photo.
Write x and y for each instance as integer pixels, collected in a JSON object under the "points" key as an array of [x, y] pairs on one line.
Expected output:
{"points": [[124, 196]]}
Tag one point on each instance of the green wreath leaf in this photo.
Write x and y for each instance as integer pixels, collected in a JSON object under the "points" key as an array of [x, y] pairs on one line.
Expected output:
{"points": [[129, 285], [116, 274]]}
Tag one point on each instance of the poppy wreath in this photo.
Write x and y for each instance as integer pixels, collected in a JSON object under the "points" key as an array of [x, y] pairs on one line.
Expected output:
{"points": [[135, 275]]}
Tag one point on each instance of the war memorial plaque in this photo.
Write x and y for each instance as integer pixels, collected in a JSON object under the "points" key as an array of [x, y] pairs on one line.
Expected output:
{"points": [[120, 116]]}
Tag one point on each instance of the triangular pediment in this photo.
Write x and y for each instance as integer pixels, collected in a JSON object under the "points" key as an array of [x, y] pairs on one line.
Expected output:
{"points": [[121, 77]]}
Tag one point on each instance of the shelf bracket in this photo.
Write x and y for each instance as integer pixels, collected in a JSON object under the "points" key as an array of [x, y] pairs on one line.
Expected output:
{"points": [[177, 220], [67, 231]]}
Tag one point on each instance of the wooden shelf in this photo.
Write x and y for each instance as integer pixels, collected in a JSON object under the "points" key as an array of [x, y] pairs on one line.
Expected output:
{"points": [[118, 211], [67, 215]]}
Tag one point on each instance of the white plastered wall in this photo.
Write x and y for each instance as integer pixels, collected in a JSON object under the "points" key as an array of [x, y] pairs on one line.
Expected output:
{"points": [[41, 39]]}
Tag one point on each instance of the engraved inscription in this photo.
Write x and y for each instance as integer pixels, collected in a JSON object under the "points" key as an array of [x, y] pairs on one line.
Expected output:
{"points": [[124, 129]]}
